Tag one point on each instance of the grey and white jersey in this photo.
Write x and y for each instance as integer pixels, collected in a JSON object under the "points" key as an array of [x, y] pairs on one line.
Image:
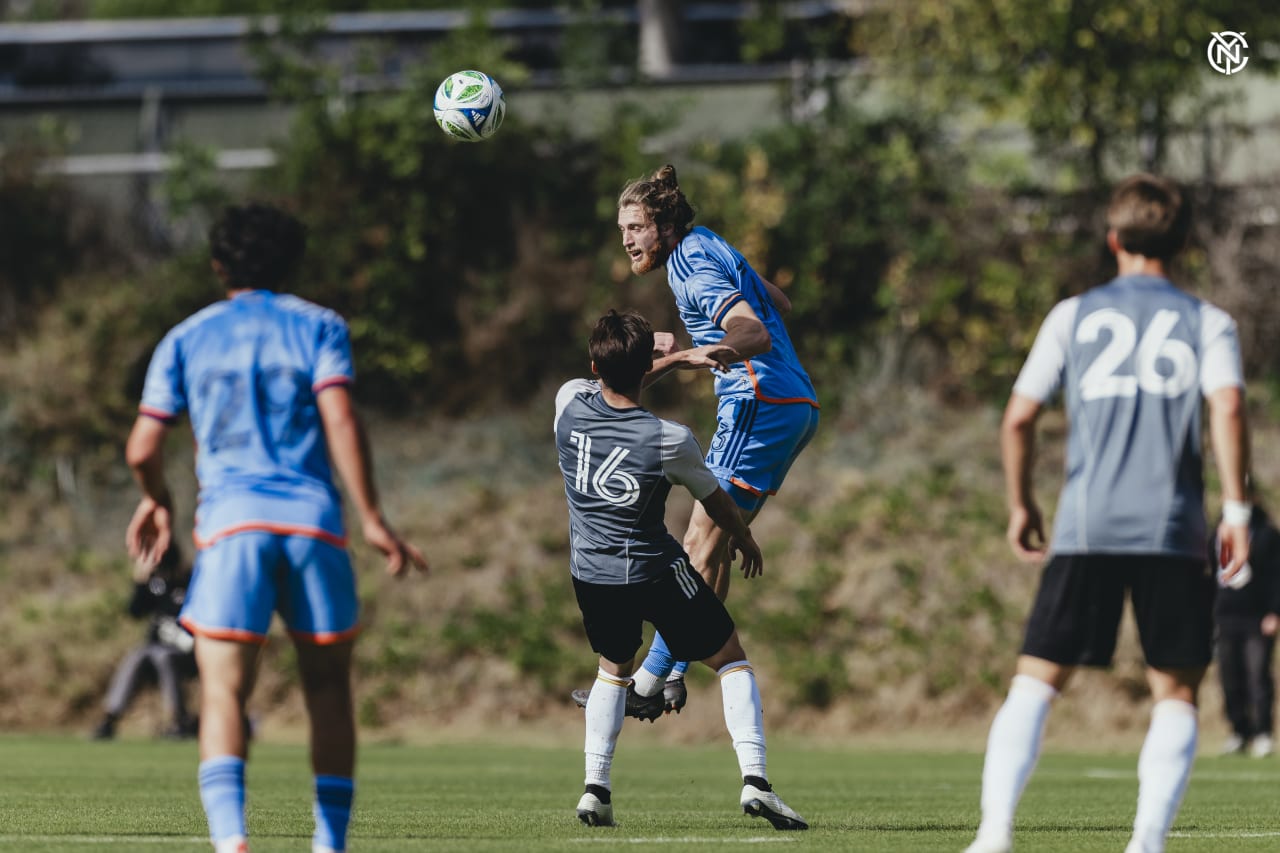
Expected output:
{"points": [[619, 466], [1133, 358]]}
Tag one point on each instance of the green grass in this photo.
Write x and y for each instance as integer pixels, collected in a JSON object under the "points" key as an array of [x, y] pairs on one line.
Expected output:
{"points": [[65, 794]]}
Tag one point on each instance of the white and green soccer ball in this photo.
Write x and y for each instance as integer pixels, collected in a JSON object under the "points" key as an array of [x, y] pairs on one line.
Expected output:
{"points": [[469, 106]]}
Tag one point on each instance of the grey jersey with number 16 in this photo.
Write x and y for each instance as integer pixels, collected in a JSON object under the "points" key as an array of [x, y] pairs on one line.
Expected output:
{"points": [[619, 466], [1133, 357]]}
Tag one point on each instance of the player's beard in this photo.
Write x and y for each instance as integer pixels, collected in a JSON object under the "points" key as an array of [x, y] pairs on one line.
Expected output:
{"points": [[649, 260]]}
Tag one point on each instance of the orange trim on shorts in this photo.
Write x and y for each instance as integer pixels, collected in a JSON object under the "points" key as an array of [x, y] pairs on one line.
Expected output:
{"points": [[158, 414], [755, 386], [745, 486], [234, 635], [325, 638], [272, 527]]}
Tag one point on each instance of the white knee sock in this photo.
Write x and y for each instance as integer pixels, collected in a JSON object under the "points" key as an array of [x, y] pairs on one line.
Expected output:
{"points": [[743, 716], [1013, 746], [648, 684], [1163, 770], [605, 709]]}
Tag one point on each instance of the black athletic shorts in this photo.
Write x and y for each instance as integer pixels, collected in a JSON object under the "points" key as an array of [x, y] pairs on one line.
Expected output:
{"points": [[1077, 611], [679, 604]]}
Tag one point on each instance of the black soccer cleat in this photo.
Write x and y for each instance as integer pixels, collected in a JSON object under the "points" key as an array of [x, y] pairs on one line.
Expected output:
{"points": [[675, 694], [641, 707]]}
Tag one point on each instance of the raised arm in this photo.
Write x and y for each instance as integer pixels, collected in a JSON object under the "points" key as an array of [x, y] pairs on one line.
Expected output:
{"points": [[1017, 452], [780, 300], [349, 448]]}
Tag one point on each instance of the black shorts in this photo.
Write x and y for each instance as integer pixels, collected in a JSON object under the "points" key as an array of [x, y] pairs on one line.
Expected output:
{"points": [[679, 604], [1077, 611]]}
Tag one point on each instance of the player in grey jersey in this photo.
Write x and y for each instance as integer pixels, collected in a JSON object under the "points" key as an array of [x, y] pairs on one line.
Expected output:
{"points": [[1133, 358], [619, 463]]}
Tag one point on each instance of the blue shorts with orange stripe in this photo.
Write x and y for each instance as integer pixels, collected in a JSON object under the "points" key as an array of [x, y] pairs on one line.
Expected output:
{"points": [[240, 580], [755, 444]]}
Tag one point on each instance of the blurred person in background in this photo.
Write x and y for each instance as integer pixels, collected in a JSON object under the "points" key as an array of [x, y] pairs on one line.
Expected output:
{"points": [[167, 653], [1247, 611], [265, 379], [1135, 359]]}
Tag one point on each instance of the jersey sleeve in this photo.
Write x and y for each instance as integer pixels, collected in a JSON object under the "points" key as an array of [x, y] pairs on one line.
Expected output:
{"points": [[709, 288], [1220, 351], [682, 461], [568, 391], [1042, 373], [164, 394], [334, 365]]}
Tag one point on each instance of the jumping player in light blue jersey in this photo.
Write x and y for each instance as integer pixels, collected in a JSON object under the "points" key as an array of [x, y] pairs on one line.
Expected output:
{"points": [[767, 409], [1134, 359], [619, 462], [264, 378]]}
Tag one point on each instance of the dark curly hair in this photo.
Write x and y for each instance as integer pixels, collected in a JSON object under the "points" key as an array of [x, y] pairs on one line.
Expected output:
{"points": [[257, 245], [661, 199], [621, 347]]}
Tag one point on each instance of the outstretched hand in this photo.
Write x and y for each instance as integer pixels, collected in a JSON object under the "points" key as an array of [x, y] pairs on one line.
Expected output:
{"points": [[752, 560], [150, 532], [399, 553]]}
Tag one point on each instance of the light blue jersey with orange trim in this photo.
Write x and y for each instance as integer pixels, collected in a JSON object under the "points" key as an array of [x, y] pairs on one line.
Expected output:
{"points": [[708, 277], [247, 371]]}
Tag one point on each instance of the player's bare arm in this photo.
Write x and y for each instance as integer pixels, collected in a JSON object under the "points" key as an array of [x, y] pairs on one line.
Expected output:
{"points": [[349, 447], [744, 332], [1229, 436], [724, 512], [664, 343], [1017, 451], [780, 300], [715, 356], [151, 528]]}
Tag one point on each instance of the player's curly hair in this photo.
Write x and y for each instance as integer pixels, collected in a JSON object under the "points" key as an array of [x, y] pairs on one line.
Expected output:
{"points": [[1150, 215], [621, 348], [257, 245], [660, 197]]}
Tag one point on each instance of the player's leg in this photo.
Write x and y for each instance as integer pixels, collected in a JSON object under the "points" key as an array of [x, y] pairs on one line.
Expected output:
{"points": [[325, 671], [321, 609], [613, 626], [228, 608], [167, 663], [1074, 620], [1258, 653], [227, 672], [1173, 606], [1235, 691]]}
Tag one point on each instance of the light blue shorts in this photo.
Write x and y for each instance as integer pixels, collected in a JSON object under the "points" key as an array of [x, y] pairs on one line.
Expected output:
{"points": [[239, 581], [755, 444]]}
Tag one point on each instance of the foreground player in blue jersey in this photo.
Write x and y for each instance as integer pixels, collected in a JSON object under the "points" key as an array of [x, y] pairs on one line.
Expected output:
{"points": [[1134, 358], [619, 463], [767, 410], [264, 378]]}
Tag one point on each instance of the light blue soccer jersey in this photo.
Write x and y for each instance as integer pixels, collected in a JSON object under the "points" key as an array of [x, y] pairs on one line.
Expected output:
{"points": [[708, 277], [1134, 357], [247, 370]]}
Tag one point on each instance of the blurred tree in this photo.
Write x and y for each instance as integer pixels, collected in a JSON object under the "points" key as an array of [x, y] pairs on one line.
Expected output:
{"points": [[1098, 84]]}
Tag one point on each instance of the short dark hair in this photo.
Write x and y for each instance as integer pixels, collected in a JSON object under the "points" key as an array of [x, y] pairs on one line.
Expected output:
{"points": [[257, 245], [1150, 216], [621, 348], [661, 198]]}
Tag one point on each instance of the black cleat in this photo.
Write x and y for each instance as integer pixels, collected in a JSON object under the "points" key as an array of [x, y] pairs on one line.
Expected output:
{"points": [[674, 694], [641, 707]]}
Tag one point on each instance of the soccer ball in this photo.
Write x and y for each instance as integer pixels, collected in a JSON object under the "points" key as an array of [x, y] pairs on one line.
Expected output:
{"points": [[469, 106]]}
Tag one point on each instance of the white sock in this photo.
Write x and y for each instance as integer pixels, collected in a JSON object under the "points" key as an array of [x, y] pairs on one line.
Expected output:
{"points": [[647, 684], [605, 710], [231, 844], [1164, 766], [743, 716], [1013, 746]]}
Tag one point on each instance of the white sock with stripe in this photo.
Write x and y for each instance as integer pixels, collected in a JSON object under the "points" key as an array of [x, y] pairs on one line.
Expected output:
{"points": [[743, 716], [606, 708], [1164, 768], [1013, 747]]}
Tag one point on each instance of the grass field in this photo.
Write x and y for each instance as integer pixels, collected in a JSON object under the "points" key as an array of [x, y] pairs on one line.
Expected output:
{"points": [[65, 794]]}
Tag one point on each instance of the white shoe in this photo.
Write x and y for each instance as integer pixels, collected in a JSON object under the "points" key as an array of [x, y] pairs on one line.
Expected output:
{"points": [[990, 844], [1233, 745], [232, 844], [1262, 746], [769, 805], [592, 812]]}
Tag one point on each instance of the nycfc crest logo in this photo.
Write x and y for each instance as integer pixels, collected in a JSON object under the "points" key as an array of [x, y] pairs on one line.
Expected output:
{"points": [[1226, 52]]}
